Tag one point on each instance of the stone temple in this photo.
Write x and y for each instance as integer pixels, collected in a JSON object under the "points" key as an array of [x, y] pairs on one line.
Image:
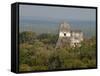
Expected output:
{"points": [[68, 37]]}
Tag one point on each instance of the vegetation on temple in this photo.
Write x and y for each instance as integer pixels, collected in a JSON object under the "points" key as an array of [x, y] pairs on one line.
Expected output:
{"points": [[37, 52]]}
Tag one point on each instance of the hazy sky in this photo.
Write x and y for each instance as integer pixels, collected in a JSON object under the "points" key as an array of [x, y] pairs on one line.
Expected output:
{"points": [[64, 13]]}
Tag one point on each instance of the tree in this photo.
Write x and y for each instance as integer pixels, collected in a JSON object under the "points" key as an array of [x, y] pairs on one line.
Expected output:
{"points": [[48, 38], [25, 67], [27, 37]]}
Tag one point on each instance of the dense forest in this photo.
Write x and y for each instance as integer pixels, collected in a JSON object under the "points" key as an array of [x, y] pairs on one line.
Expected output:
{"points": [[37, 52]]}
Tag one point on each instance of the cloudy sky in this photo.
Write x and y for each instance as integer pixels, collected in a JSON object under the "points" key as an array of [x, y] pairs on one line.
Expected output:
{"points": [[63, 13]]}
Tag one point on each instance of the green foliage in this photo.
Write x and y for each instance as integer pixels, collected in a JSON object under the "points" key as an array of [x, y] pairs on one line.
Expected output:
{"points": [[25, 67], [27, 37], [36, 68], [48, 38], [37, 52]]}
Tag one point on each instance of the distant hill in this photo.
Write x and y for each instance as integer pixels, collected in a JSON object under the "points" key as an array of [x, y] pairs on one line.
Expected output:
{"points": [[51, 26]]}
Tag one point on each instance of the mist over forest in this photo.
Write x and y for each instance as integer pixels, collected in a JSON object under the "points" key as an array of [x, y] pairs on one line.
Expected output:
{"points": [[50, 26]]}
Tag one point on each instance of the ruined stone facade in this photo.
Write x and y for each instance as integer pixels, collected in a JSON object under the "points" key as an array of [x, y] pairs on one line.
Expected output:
{"points": [[68, 37]]}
